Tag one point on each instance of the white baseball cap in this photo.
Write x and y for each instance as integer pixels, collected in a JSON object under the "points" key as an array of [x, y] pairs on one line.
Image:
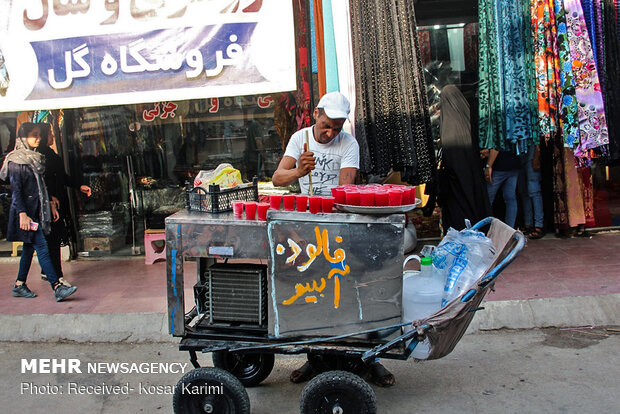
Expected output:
{"points": [[335, 105]]}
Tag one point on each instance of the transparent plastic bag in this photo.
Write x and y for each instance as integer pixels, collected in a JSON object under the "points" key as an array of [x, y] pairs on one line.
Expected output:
{"points": [[224, 175], [462, 257]]}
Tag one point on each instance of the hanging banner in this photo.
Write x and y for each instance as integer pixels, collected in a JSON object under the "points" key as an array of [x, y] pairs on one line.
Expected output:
{"points": [[80, 53]]}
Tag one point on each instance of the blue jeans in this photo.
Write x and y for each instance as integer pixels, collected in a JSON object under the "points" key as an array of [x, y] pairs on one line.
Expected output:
{"points": [[534, 193], [507, 180], [40, 245]]}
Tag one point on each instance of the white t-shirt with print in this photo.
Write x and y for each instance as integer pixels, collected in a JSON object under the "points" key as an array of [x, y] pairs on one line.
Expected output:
{"points": [[341, 152]]}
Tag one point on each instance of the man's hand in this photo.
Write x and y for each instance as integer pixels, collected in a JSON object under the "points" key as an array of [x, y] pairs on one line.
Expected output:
{"points": [[488, 174], [305, 164], [55, 215], [86, 190], [55, 202]]}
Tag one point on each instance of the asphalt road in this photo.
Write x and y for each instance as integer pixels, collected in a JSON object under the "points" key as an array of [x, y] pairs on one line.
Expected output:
{"points": [[534, 371]]}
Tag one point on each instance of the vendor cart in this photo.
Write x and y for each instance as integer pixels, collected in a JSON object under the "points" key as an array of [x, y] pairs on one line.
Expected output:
{"points": [[325, 285]]}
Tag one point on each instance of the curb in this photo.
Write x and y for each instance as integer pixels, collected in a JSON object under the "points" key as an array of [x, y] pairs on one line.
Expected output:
{"points": [[81, 327], [152, 327], [574, 311]]}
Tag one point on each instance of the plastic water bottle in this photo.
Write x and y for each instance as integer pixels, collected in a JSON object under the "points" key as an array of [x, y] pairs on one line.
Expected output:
{"points": [[461, 277], [422, 294]]}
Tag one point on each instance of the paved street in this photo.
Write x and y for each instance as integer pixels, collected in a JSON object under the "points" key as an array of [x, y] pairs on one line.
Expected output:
{"points": [[534, 371]]}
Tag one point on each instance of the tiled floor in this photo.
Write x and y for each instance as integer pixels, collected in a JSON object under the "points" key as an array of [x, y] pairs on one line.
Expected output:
{"points": [[549, 267]]}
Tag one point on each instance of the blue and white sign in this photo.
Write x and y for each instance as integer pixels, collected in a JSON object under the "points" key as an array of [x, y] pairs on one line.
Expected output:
{"points": [[78, 53]]}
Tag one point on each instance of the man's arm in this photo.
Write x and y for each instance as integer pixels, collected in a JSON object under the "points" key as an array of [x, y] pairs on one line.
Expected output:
{"points": [[286, 172], [488, 169], [347, 176], [290, 170]]}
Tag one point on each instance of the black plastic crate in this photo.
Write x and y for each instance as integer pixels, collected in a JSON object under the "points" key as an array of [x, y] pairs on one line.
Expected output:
{"points": [[218, 200]]}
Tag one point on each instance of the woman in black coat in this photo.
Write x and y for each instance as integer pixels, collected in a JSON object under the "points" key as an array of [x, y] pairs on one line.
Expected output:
{"points": [[30, 214], [56, 180], [462, 189]]}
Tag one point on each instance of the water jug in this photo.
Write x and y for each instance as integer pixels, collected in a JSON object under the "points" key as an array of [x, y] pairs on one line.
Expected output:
{"points": [[422, 294]]}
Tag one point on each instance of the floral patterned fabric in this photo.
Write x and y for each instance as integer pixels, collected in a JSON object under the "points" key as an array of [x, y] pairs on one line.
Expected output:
{"points": [[592, 123], [546, 69], [570, 118]]}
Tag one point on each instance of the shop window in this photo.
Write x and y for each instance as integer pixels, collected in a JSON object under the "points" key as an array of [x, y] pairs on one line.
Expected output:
{"points": [[138, 158]]}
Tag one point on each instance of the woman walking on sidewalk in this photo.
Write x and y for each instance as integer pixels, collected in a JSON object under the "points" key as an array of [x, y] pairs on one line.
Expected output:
{"points": [[30, 202], [57, 181]]}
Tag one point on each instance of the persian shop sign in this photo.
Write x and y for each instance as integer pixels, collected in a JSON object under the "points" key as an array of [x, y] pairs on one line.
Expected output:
{"points": [[78, 53]]}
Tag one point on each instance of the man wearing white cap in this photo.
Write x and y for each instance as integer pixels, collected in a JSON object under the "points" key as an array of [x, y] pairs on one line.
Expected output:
{"points": [[332, 157]]}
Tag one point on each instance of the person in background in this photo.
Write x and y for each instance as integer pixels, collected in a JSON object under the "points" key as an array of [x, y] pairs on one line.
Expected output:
{"points": [[533, 214], [462, 189], [56, 181], [332, 157], [502, 171], [31, 212]]}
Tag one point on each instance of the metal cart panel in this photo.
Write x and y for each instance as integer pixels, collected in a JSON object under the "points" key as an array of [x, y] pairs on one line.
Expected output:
{"points": [[333, 274]]}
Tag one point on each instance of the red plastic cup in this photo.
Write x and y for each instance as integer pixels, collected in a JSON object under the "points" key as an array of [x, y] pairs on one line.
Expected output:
{"points": [[339, 194], [289, 202], [352, 197], [315, 203], [409, 195], [274, 201], [302, 202], [367, 197], [382, 198], [261, 211], [395, 196], [250, 210], [412, 195], [237, 206], [327, 204]]}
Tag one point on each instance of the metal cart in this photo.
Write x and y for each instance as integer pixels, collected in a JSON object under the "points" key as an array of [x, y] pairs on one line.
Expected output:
{"points": [[325, 285]]}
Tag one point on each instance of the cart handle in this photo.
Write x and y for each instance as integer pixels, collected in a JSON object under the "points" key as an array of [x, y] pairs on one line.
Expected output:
{"points": [[490, 276], [512, 255]]}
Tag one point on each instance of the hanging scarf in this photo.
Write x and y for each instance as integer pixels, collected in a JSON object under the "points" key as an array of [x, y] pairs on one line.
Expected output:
{"points": [[392, 124], [23, 155], [530, 70], [547, 67], [490, 128], [611, 92], [568, 107], [515, 93], [592, 123]]}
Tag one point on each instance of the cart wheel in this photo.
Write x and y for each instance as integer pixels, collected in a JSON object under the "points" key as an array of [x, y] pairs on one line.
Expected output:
{"points": [[337, 392], [250, 369], [210, 390]]}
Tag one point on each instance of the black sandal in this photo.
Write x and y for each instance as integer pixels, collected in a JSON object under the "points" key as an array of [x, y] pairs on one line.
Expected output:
{"points": [[527, 230], [583, 233], [381, 376], [537, 233]]}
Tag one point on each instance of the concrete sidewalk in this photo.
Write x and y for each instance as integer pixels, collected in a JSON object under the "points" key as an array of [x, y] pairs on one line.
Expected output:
{"points": [[553, 283]]}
